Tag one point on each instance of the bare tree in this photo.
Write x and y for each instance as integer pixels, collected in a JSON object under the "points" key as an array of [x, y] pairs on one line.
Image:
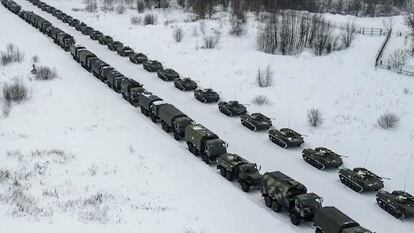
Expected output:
{"points": [[264, 77], [388, 121], [314, 117], [348, 34], [398, 59], [178, 34]]}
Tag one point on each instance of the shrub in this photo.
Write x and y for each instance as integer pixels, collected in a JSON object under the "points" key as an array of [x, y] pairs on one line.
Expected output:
{"points": [[398, 59], [238, 26], [210, 42], [388, 121], [348, 34], [260, 100], [5, 110], [45, 73], [136, 20], [35, 59], [107, 5], [16, 91], [150, 19], [178, 34], [12, 54], [314, 117], [91, 5], [120, 9], [140, 6], [264, 77]]}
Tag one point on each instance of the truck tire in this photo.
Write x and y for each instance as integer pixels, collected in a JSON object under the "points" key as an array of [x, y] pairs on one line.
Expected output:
{"points": [[153, 118], [276, 206], [223, 172], [176, 136], [268, 201], [318, 230], [144, 111], [205, 158], [294, 218], [244, 186], [165, 127]]}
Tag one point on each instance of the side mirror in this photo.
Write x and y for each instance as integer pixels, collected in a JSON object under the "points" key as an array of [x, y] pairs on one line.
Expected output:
{"points": [[260, 167]]}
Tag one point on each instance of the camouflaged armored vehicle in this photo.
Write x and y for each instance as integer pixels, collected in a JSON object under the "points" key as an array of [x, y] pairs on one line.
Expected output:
{"points": [[232, 108], [282, 192], [185, 84], [138, 58], [203, 142], [152, 65], [124, 51], [207, 95], [173, 120], [399, 204], [256, 121], [105, 40], [285, 137], [331, 220], [360, 179], [233, 166], [167, 74], [322, 158], [114, 45]]}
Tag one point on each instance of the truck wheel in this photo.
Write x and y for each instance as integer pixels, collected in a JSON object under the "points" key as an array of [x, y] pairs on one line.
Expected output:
{"points": [[268, 201], [245, 186], [318, 230], [294, 218], [223, 172], [144, 111], [229, 176], [205, 158], [276, 206], [153, 118], [177, 137]]}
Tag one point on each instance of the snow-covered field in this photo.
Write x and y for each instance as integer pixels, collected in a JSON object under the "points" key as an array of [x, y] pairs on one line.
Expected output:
{"points": [[152, 183]]}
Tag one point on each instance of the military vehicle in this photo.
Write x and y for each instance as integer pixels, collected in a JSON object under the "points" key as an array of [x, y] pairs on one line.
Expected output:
{"points": [[360, 179], [114, 80], [127, 85], [203, 142], [232, 108], [185, 84], [83, 56], [89, 62], [256, 121], [233, 166], [80, 26], [54, 34], [322, 158], [95, 35], [124, 51], [329, 219], [285, 137], [152, 65], [87, 30], [146, 100], [167, 74], [104, 73], [114, 45], [282, 192], [399, 204], [105, 40], [97, 67], [173, 120], [67, 18], [74, 50], [74, 22], [65, 41], [207, 95], [138, 58]]}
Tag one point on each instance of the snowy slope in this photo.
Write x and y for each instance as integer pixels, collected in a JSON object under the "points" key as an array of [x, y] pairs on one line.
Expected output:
{"points": [[343, 85]]}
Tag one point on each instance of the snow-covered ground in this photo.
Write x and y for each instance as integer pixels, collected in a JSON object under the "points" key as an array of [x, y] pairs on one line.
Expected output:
{"points": [[350, 93]]}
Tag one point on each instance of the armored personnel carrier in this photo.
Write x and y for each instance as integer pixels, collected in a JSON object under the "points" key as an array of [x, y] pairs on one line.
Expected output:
{"points": [[399, 204], [95, 35], [152, 65], [282, 192], [232, 108], [360, 179], [87, 30], [173, 120], [114, 45], [124, 51], [256, 121], [206, 95], [322, 158], [233, 166], [167, 74], [331, 220], [105, 40], [185, 84], [285, 137], [80, 26], [74, 22], [138, 58]]}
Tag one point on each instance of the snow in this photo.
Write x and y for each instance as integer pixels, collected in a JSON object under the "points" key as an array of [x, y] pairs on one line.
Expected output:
{"points": [[350, 93]]}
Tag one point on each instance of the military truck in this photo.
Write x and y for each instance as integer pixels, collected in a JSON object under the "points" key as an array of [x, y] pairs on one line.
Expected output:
{"points": [[322, 158], [81, 26], [232, 166], [115, 45], [65, 41], [105, 40], [124, 51], [95, 35], [173, 120], [232, 108], [329, 219], [127, 85], [185, 84], [74, 22], [138, 58], [146, 100], [104, 73], [87, 30], [83, 56], [74, 50], [207, 95], [97, 67], [255, 121], [167, 74], [360, 179], [282, 192], [203, 142], [89, 62], [285, 137], [114, 80], [399, 204], [152, 65]]}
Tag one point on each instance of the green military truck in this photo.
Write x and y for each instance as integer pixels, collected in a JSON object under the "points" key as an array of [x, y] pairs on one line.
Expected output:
{"points": [[282, 192], [173, 120], [233, 166], [331, 220], [201, 141]]}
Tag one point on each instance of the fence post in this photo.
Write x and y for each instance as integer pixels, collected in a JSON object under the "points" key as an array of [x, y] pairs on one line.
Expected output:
{"points": [[363, 31], [372, 31], [380, 32]]}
